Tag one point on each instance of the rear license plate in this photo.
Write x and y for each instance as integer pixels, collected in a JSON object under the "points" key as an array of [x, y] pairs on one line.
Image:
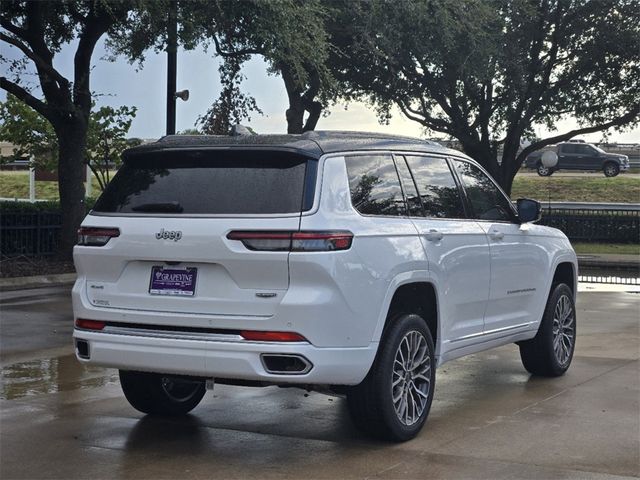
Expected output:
{"points": [[173, 281]]}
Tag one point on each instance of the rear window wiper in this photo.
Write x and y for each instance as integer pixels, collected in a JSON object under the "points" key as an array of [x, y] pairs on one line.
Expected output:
{"points": [[168, 207]]}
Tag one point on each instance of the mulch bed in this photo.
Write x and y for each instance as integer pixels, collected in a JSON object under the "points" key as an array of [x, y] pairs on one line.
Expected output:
{"points": [[21, 266]]}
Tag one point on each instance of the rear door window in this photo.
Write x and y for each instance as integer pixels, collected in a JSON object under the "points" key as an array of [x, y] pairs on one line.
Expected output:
{"points": [[213, 182], [439, 191], [375, 186]]}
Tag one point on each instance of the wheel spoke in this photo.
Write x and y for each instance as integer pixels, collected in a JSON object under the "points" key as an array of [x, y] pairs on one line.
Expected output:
{"points": [[418, 391]]}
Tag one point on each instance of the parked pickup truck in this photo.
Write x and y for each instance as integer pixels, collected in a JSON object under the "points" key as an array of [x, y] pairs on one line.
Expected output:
{"points": [[579, 156]]}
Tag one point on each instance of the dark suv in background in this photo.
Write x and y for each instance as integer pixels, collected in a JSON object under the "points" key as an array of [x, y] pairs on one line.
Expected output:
{"points": [[579, 156]]}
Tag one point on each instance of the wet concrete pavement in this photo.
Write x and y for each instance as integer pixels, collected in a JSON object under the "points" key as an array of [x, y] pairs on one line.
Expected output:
{"points": [[489, 418]]}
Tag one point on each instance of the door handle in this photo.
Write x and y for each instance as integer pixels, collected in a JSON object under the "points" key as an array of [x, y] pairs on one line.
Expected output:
{"points": [[433, 235], [496, 235]]}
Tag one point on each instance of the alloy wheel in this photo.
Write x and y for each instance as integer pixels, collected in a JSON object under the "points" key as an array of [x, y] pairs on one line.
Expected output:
{"points": [[411, 378], [563, 329], [543, 171]]}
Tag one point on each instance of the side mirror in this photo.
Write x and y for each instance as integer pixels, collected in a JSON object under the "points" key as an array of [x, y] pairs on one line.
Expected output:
{"points": [[529, 210]]}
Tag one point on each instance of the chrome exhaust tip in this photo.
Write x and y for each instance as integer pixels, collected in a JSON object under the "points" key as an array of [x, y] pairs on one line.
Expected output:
{"points": [[285, 363]]}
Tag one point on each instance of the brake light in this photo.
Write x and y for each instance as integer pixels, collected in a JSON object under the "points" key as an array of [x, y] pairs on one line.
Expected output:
{"points": [[260, 336], [321, 241], [89, 324], [294, 241], [96, 236]]}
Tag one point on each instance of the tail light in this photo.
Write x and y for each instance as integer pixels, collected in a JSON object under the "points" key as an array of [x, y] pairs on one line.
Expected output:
{"points": [[261, 336], [96, 236], [294, 241], [89, 324]]}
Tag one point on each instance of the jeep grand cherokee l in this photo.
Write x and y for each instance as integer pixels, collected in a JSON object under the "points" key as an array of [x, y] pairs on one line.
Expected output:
{"points": [[345, 261]]}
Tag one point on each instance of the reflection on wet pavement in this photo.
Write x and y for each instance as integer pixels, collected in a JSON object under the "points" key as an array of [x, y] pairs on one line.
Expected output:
{"points": [[50, 375], [489, 419]]}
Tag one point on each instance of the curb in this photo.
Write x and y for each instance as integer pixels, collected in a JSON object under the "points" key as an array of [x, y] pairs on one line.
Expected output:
{"points": [[16, 283], [598, 262]]}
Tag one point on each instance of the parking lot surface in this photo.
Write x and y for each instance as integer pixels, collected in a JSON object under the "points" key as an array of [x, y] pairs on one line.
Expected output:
{"points": [[489, 419]]}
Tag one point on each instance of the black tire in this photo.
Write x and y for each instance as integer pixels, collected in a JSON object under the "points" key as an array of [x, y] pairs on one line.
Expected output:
{"points": [[544, 171], [538, 355], [611, 169], [371, 403], [158, 394]]}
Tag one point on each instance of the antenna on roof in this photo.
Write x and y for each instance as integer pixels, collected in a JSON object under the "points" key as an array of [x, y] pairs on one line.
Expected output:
{"points": [[240, 130]]}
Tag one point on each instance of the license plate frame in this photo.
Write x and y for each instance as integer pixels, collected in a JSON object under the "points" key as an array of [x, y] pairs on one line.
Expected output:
{"points": [[171, 281]]}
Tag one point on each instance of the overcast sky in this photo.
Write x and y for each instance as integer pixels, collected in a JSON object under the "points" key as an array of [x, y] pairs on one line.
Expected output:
{"points": [[119, 83]]}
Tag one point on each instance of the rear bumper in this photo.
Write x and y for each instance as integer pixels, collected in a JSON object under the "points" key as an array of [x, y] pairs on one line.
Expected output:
{"points": [[234, 360]]}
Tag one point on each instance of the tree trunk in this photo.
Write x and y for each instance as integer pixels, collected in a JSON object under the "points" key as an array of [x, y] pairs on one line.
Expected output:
{"points": [[295, 116], [509, 165], [72, 149], [485, 156], [301, 102], [315, 109]]}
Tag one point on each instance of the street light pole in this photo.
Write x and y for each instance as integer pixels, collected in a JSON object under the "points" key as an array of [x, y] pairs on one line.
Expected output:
{"points": [[172, 51]]}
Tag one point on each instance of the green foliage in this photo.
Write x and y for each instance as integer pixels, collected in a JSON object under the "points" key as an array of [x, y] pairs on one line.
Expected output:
{"points": [[232, 106], [12, 206], [32, 135], [486, 72], [106, 140], [34, 32], [290, 35]]}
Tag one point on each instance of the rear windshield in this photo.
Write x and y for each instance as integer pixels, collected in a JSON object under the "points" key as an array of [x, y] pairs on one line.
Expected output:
{"points": [[211, 182]]}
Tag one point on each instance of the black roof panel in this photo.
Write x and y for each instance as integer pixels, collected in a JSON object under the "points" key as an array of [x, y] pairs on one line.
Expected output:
{"points": [[313, 144]]}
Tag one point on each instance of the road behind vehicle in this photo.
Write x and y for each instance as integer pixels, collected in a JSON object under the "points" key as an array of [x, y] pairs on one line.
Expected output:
{"points": [[350, 262], [579, 156]]}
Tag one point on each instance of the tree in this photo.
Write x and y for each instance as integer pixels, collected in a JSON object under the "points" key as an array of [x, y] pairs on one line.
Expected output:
{"points": [[290, 35], [30, 133], [293, 39], [232, 106], [34, 137], [487, 72], [38, 30], [107, 139]]}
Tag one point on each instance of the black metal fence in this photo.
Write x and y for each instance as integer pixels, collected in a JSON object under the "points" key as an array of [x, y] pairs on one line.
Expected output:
{"points": [[37, 233], [29, 233], [590, 225], [611, 274]]}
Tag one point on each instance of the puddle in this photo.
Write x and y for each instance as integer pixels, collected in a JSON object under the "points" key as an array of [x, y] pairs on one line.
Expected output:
{"points": [[51, 375]]}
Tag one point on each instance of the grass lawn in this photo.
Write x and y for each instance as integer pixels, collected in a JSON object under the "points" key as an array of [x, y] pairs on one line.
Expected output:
{"points": [[578, 189], [15, 184], [624, 249]]}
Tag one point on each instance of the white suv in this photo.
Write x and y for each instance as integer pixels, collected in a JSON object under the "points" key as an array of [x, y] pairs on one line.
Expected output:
{"points": [[330, 260]]}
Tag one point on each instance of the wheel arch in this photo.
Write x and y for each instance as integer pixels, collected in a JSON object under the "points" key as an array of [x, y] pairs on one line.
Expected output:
{"points": [[565, 272], [412, 295]]}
